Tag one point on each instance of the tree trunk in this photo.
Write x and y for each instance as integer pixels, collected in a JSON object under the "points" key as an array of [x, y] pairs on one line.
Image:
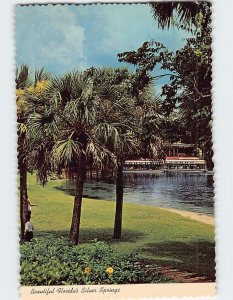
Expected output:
{"points": [[74, 231], [119, 202], [23, 196], [208, 154]]}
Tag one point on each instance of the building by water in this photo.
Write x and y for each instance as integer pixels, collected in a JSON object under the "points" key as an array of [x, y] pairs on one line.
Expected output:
{"points": [[179, 157]]}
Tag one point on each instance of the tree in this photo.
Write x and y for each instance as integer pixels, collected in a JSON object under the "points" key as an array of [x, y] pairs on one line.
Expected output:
{"points": [[77, 143], [26, 90], [188, 91], [42, 126], [133, 123], [186, 15], [116, 124], [193, 66], [22, 81]]}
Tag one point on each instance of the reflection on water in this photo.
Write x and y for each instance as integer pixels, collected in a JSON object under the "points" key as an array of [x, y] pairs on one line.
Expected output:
{"points": [[191, 192]]}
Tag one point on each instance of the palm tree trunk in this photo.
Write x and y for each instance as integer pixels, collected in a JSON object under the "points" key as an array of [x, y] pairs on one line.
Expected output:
{"points": [[75, 225], [23, 196], [119, 202]]}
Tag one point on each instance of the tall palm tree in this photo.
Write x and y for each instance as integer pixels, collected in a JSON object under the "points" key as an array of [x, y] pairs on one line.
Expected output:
{"points": [[116, 124], [22, 82], [128, 124], [77, 143], [25, 86], [140, 139]]}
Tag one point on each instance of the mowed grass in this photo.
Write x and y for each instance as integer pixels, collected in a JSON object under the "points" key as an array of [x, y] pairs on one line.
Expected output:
{"points": [[159, 236]]}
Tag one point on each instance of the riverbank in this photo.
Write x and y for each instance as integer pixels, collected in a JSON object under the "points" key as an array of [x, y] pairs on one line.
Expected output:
{"points": [[192, 215], [159, 236]]}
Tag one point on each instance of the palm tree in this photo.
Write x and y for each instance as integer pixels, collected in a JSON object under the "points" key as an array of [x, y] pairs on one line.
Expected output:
{"points": [[42, 128], [128, 124], [142, 138], [25, 86], [182, 14], [77, 143], [22, 81], [116, 131], [116, 124]]}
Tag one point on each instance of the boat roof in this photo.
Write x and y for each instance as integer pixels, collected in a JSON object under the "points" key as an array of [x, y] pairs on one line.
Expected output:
{"points": [[182, 145]]}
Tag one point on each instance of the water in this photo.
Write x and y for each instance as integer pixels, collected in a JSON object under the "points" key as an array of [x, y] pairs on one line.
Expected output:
{"points": [[185, 191]]}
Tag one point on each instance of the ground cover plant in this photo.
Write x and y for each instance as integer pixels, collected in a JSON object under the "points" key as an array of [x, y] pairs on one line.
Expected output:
{"points": [[160, 237], [54, 261]]}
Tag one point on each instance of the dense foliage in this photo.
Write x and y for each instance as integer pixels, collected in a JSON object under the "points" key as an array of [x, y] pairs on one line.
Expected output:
{"points": [[186, 97], [82, 120], [50, 261], [185, 14]]}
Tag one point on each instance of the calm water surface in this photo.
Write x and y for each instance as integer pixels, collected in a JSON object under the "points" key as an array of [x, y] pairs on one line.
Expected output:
{"points": [[190, 192]]}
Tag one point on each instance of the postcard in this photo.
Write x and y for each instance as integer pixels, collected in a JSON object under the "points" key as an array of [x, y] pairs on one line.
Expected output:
{"points": [[115, 157]]}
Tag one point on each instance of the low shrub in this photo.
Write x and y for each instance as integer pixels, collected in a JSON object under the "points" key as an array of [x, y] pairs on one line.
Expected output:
{"points": [[53, 261]]}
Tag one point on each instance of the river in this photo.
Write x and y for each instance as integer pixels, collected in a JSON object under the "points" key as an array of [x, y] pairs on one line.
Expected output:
{"points": [[184, 191]]}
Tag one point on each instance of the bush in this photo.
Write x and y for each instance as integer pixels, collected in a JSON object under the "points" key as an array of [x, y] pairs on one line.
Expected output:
{"points": [[50, 261]]}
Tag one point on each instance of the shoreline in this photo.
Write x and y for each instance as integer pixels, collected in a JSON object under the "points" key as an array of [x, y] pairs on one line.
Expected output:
{"points": [[203, 218], [192, 215], [200, 217]]}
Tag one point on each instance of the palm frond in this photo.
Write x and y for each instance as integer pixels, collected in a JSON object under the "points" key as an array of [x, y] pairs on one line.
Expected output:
{"points": [[100, 155], [41, 75], [108, 133], [168, 14], [39, 160], [66, 152], [22, 77], [22, 128], [130, 144]]}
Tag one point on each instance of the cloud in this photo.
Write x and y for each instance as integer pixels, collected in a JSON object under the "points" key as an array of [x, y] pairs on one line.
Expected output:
{"points": [[117, 28], [120, 27], [64, 37], [114, 28], [49, 36]]}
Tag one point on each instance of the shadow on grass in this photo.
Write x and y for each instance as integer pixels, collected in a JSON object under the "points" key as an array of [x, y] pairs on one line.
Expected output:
{"points": [[101, 234], [197, 257]]}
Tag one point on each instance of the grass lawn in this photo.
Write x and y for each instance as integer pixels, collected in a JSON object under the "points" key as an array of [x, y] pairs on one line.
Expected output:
{"points": [[159, 236]]}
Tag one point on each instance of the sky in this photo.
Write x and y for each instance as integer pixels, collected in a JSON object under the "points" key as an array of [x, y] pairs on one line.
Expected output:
{"points": [[61, 38]]}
